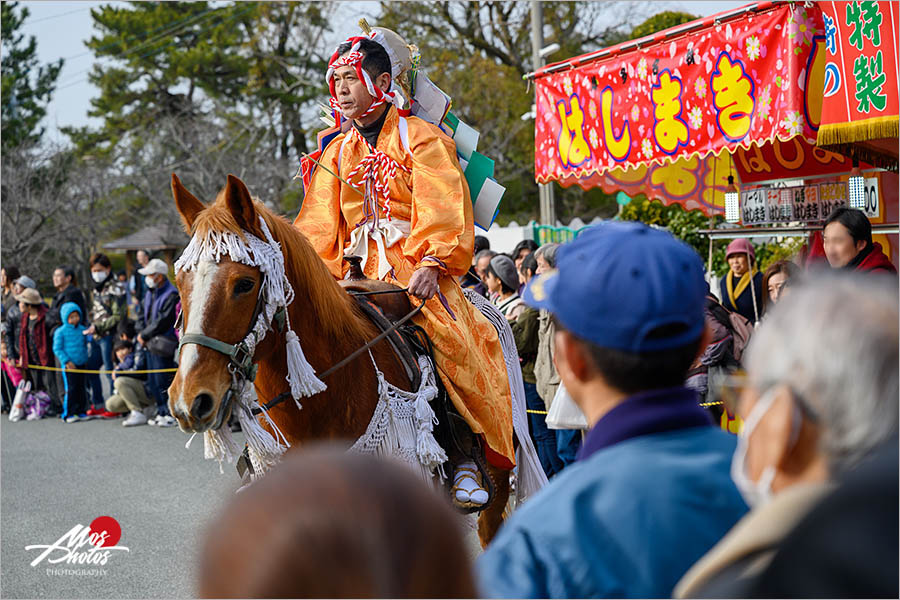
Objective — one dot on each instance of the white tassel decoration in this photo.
(428, 450)
(265, 449)
(301, 374)
(220, 446)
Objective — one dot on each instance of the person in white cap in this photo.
(157, 335)
(408, 213)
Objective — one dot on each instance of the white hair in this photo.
(548, 251)
(834, 341)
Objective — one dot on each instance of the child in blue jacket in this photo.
(70, 347)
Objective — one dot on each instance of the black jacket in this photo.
(70, 294)
(13, 318)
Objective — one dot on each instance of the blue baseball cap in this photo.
(618, 283)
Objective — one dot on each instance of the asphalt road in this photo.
(54, 476)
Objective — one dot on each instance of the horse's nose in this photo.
(202, 406)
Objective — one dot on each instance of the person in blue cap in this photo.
(651, 490)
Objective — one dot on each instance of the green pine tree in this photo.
(158, 60)
(26, 85)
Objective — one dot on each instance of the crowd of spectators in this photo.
(661, 500)
(62, 348)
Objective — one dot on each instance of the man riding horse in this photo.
(391, 190)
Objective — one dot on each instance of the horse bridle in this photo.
(240, 358)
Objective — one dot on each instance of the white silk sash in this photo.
(385, 233)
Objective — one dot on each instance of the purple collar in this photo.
(645, 413)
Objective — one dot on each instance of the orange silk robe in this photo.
(433, 197)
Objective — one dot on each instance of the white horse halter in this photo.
(278, 294)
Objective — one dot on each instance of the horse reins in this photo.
(353, 355)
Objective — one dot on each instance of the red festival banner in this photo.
(669, 109)
(793, 159)
(860, 78)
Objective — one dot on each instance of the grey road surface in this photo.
(54, 476)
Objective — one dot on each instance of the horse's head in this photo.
(220, 301)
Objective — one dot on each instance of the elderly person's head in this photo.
(155, 273)
(23, 283)
(740, 256)
(63, 277)
(482, 259)
(823, 385)
(546, 257)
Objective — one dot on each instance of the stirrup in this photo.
(467, 497)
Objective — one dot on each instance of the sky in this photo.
(62, 27)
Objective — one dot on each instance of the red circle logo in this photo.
(107, 525)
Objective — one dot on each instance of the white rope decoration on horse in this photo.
(276, 289)
(403, 424)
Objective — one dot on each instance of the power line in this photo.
(71, 12)
(161, 48)
(140, 36)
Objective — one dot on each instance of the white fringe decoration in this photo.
(265, 449)
(403, 425)
(276, 288)
(530, 475)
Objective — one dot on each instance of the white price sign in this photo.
(872, 208)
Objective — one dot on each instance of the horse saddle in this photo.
(384, 304)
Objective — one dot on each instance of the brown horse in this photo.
(219, 300)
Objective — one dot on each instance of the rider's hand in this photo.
(424, 282)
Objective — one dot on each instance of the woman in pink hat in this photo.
(735, 289)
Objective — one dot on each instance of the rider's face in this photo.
(351, 92)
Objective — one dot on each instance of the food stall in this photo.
(727, 114)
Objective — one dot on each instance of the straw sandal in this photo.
(467, 489)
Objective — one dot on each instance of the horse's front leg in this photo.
(491, 517)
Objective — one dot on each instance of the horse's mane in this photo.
(332, 306)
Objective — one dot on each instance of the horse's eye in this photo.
(243, 286)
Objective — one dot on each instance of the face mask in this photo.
(99, 276)
(150, 281)
(754, 492)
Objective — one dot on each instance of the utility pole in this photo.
(545, 190)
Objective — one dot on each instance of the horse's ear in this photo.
(188, 206)
(239, 202)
